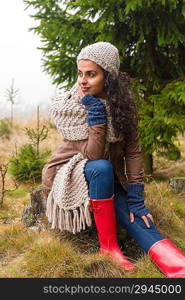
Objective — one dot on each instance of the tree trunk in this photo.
(37, 206)
(148, 158)
(11, 120)
(148, 164)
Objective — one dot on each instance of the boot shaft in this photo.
(105, 219)
(169, 259)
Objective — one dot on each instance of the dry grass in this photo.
(29, 252)
(167, 208)
(8, 147)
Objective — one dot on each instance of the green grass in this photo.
(25, 252)
(15, 239)
(12, 206)
(20, 192)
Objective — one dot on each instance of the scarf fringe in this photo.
(68, 220)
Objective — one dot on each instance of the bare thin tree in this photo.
(3, 177)
(11, 94)
(3, 172)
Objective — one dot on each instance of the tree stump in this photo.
(177, 184)
(37, 207)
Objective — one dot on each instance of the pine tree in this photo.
(150, 36)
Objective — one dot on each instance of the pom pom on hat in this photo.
(103, 54)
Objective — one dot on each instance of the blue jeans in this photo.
(102, 184)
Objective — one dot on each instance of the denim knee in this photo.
(103, 167)
(100, 177)
(99, 167)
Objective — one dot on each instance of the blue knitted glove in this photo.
(135, 199)
(96, 110)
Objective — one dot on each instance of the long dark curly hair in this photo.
(122, 105)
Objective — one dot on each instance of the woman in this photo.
(98, 169)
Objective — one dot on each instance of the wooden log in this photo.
(177, 184)
(37, 207)
(38, 199)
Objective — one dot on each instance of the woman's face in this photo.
(90, 78)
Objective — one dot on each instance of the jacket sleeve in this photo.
(134, 158)
(93, 148)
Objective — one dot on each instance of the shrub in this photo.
(28, 164)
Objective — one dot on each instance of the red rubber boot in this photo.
(169, 259)
(105, 220)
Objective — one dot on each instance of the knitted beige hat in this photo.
(103, 54)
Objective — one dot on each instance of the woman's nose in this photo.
(83, 79)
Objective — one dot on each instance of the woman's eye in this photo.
(91, 75)
(87, 75)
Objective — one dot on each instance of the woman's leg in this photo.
(102, 185)
(100, 177)
(143, 235)
(169, 259)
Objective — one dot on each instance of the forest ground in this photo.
(40, 252)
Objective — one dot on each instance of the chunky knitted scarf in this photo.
(68, 201)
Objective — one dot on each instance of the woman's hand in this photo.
(96, 110)
(136, 205)
(144, 218)
(81, 94)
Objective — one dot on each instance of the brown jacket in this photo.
(126, 157)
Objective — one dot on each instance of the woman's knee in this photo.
(104, 166)
(100, 167)
(100, 177)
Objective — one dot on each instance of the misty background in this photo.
(22, 61)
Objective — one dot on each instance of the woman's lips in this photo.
(84, 89)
